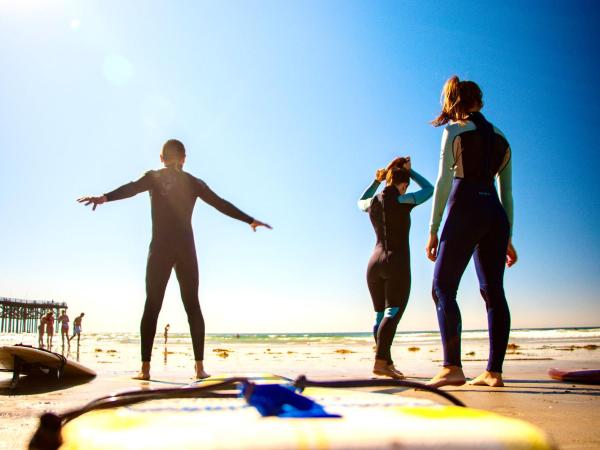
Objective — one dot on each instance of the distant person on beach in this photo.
(479, 224)
(77, 328)
(388, 271)
(63, 319)
(41, 330)
(167, 326)
(173, 194)
(49, 329)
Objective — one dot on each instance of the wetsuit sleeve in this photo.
(131, 189)
(364, 202)
(420, 196)
(208, 196)
(443, 183)
(505, 190)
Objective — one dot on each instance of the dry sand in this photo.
(569, 413)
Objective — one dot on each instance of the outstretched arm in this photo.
(222, 205)
(420, 196)
(125, 191)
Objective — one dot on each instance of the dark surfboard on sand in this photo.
(26, 360)
(587, 376)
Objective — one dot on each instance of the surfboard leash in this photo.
(48, 434)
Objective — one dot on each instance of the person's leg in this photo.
(490, 257)
(397, 291)
(186, 269)
(158, 270)
(455, 250)
(376, 287)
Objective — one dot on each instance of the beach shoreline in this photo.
(569, 413)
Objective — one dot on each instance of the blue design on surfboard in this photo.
(282, 401)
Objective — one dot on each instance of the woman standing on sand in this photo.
(388, 272)
(41, 329)
(474, 153)
(63, 319)
(49, 329)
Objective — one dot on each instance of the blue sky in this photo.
(287, 109)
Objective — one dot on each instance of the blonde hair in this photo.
(458, 99)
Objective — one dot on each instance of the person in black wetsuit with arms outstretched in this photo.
(173, 194)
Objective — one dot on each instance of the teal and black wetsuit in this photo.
(478, 224)
(388, 271)
(173, 195)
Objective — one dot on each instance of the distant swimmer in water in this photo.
(77, 328)
(173, 194)
(63, 319)
(388, 272)
(479, 224)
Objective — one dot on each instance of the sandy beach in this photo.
(569, 413)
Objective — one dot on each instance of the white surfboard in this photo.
(26, 360)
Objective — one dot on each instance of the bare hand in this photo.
(432, 247)
(93, 200)
(380, 174)
(511, 255)
(258, 223)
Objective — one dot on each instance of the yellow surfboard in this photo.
(368, 421)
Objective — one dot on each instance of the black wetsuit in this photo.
(173, 195)
(388, 271)
(477, 225)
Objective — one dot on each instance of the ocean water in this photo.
(548, 336)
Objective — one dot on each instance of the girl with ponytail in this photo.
(479, 224)
(388, 271)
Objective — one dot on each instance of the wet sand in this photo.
(569, 413)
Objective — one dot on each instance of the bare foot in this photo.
(200, 373)
(448, 376)
(144, 373)
(382, 368)
(393, 369)
(492, 379)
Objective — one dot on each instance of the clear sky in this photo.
(286, 109)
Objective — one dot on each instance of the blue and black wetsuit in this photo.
(388, 271)
(173, 194)
(478, 224)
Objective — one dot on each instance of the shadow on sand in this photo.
(39, 384)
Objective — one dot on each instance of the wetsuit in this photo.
(173, 195)
(478, 224)
(388, 271)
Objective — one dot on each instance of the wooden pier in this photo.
(23, 316)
